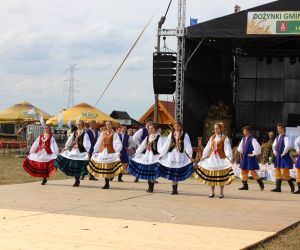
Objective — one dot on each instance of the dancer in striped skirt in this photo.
(177, 162)
(145, 163)
(105, 161)
(42, 155)
(75, 157)
(214, 169)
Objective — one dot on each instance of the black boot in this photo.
(82, 177)
(120, 178)
(174, 191)
(77, 182)
(261, 184)
(292, 185)
(136, 179)
(106, 186)
(44, 181)
(298, 191)
(150, 187)
(92, 178)
(245, 186)
(278, 186)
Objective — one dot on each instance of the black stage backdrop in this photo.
(268, 85)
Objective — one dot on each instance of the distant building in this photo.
(166, 113)
(124, 118)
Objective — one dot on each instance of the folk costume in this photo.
(126, 141)
(75, 157)
(93, 135)
(283, 162)
(105, 161)
(41, 158)
(176, 164)
(138, 138)
(145, 163)
(249, 149)
(215, 167)
(297, 147)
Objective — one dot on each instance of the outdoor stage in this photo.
(126, 217)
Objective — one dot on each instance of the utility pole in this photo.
(71, 80)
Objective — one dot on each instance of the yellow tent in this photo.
(22, 112)
(166, 113)
(81, 111)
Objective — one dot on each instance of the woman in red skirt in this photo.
(42, 155)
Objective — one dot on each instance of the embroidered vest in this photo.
(280, 145)
(107, 142)
(80, 142)
(93, 139)
(145, 134)
(45, 145)
(181, 143)
(124, 141)
(152, 145)
(220, 146)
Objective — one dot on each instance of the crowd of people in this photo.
(146, 154)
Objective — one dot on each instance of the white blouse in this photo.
(255, 144)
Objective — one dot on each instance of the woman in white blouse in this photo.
(214, 168)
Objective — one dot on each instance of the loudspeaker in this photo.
(164, 72)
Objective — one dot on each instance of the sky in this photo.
(40, 39)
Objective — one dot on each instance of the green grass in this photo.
(12, 172)
(289, 240)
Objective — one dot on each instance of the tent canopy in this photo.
(22, 112)
(231, 30)
(84, 112)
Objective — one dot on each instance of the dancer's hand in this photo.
(250, 155)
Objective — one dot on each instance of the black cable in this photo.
(132, 47)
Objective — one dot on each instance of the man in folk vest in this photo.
(141, 134)
(124, 137)
(93, 134)
(249, 148)
(283, 161)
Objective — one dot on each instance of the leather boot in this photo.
(292, 185)
(245, 186)
(77, 182)
(106, 186)
(298, 191)
(261, 184)
(174, 189)
(92, 178)
(278, 186)
(44, 181)
(120, 178)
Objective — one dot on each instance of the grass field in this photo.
(12, 172)
(289, 240)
